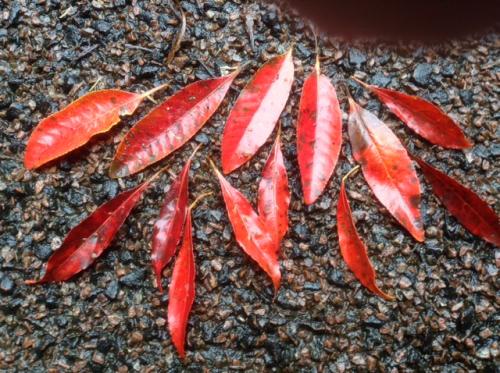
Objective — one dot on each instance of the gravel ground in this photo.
(111, 318)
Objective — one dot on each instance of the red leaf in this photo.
(170, 125)
(250, 230)
(256, 111)
(274, 194)
(386, 167)
(319, 134)
(465, 205)
(88, 240)
(423, 117)
(73, 126)
(182, 290)
(353, 250)
(167, 230)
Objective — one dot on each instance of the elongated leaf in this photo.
(167, 230)
(465, 205)
(319, 134)
(353, 250)
(274, 194)
(256, 111)
(386, 167)
(423, 117)
(170, 125)
(250, 230)
(88, 240)
(68, 129)
(182, 290)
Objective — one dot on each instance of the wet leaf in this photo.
(167, 230)
(88, 240)
(423, 117)
(250, 230)
(182, 289)
(465, 205)
(256, 111)
(170, 125)
(386, 167)
(274, 194)
(72, 127)
(353, 250)
(319, 134)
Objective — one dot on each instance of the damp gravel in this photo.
(110, 318)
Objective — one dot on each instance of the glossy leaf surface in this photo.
(170, 125)
(319, 134)
(386, 167)
(256, 111)
(423, 117)
(167, 230)
(353, 250)
(465, 205)
(250, 231)
(274, 194)
(88, 240)
(70, 128)
(182, 290)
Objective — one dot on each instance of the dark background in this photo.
(111, 318)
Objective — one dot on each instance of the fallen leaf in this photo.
(386, 167)
(465, 205)
(170, 125)
(256, 111)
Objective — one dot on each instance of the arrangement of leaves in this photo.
(384, 161)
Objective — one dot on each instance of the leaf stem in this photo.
(351, 172)
(199, 198)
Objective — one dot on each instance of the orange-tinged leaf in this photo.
(182, 289)
(167, 230)
(386, 167)
(465, 205)
(170, 125)
(423, 117)
(319, 134)
(250, 230)
(72, 127)
(274, 194)
(88, 240)
(256, 111)
(353, 250)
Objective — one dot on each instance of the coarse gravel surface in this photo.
(111, 318)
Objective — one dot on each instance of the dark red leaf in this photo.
(353, 250)
(182, 290)
(167, 230)
(170, 125)
(70, 128)
(423, 117)
(256, 111)
(88, 240)
(319, 134)
(465, 205)
(250, 230)
(274, 194)
(386, 167)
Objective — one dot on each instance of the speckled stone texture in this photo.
(111, 318)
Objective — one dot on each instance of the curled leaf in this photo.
(353, 250)
(423, 117)
(250, 230)
(465, 205)
(256, 111)
(274, 194)
(72, 127)
(319, 134)
(386, 167)
(170, 125)
(182, 290)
